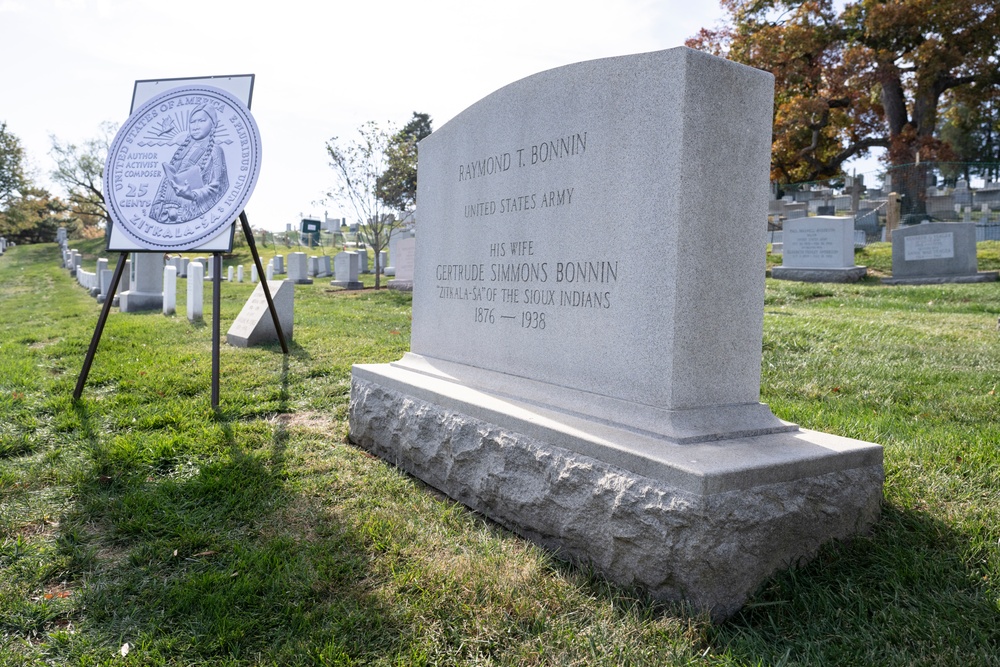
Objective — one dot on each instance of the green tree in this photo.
(80, 170)
(873, 74)
(34, 217)
(972, 129)
(13, 175)
(357, 166)
(397, 185)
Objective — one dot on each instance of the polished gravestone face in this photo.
(402, 258)
(820, 249)
(936, 252)
(298, 268)
(538, 220)
(820, 242)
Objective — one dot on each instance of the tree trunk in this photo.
(376, 244)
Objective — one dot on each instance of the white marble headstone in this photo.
(820, 242)
(936, 252)
(255, 325)
(195, 291)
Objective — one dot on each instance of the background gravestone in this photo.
(145, 290)
(818, 249)
(298, 268)
(401, 234)
(553, 387)
(403, 252)
(101, 290)
(345, 271)
(254, 324)
(936, 252)
(195, 291)
(170, 289)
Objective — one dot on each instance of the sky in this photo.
(321, 68)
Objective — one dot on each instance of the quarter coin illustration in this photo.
(182, 168)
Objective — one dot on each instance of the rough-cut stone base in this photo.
(711, 550)
(845, 275)
(981, 277)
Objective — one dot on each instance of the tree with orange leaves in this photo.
(873, 74)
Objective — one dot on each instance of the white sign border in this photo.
(239, 86)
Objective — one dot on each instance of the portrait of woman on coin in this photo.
(195, 178)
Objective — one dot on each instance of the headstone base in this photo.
(705, 523)
(347, 284)
(981, 277)
(401, 285)
(848, 274)
(133, 302)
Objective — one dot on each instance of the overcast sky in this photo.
(322, 68)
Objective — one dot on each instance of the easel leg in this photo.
(216, 305)
(263, 280)
(92, 350)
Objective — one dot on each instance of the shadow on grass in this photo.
(904, 595)
(222, 560)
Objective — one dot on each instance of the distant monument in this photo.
(556, 388)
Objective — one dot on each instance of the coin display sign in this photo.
(182, 168)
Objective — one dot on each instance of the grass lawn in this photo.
(140, 527)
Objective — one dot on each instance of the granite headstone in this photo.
(555, 388)
(819, 249)
(936, 252)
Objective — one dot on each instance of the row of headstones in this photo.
(821, 249)
(95, 282)
(347, 267)
(966, 211)
(364, 267)
(350, 264)
(3, 245)
(234, 273)
(937, 206)
(985, 231)
(197, 271)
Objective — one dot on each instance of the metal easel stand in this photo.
(216, 306)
